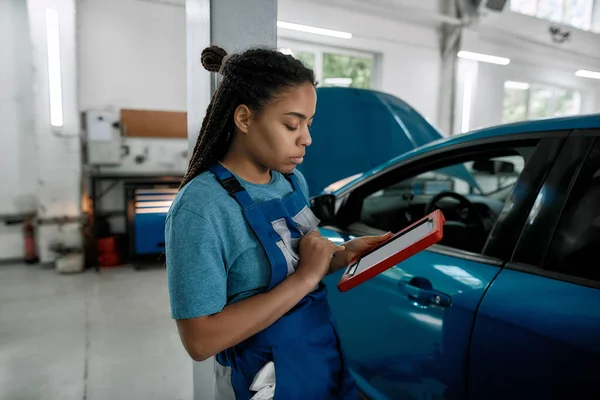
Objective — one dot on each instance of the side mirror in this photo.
(494, 167)
(323, 206)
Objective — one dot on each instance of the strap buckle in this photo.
(232, 185)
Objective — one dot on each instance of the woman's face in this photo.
(277, 138)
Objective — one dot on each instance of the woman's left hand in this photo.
(354, 248)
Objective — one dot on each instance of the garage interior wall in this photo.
(17, 165)
(535, 59)
(132, 54)
(408, 54)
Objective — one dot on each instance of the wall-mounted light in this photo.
(483, 58)
(312, 29)
(54, 72)
(588, 74)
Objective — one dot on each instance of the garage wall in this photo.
(535, 59)
(132, 54)
(16, 96)
(17, 169)
(410, 61)
(139, 62)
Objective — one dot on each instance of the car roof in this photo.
(549, 125)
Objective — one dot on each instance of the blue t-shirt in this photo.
(213, 257)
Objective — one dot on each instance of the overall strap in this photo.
(232, 185)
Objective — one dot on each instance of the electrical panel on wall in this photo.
(103, 137)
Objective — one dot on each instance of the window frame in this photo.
(588, 27)
(350, 200)
(536, 85)
(319, 49)
(540, 234)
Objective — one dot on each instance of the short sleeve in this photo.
(196, 273)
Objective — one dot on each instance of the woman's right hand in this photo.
(316, 253)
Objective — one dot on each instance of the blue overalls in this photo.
(303, 344)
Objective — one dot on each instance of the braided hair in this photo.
(253, 78)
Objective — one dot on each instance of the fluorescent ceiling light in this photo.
(312, 29)
(54, 74)
(483, 58)
(588, 74)
(516, 85)
(338, 81)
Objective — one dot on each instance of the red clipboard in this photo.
(417, 237)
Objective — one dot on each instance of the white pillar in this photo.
(17, 168)
(57, 145)
(233, 25)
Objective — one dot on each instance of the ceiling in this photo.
(429, 12)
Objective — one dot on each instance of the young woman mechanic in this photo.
(244, 257)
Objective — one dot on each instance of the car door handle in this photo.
(421, 291)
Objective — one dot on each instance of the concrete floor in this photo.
(89, 336)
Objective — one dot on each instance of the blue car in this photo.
(518, 268)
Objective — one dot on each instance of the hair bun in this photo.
(212, 58)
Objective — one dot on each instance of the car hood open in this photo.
(355, 130)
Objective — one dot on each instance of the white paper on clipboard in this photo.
(392, 248)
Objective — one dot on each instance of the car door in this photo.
(537, 332)
(406, 332)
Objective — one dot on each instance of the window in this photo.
(346, 70)
(334, 67)
(596, 17)
(577, 13)
(307, 58)
(523, 101)
(485, 181)
(576, 239)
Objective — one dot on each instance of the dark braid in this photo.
(254, 78)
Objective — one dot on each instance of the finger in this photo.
(314, 233)
(377, 239)
(339, 248)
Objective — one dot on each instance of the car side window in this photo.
(484, 181)
(576, 240)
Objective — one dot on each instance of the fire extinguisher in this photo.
(30, 248)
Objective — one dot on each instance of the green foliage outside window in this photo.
(307, 59)
(356, 70)
(525, 102)
(337, 69)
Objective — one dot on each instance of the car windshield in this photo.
(470, 178)
(471, 183)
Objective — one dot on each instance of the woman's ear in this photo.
(242, 117)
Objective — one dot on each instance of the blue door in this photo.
(537, 332)
(407, 331)
(400, 343)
